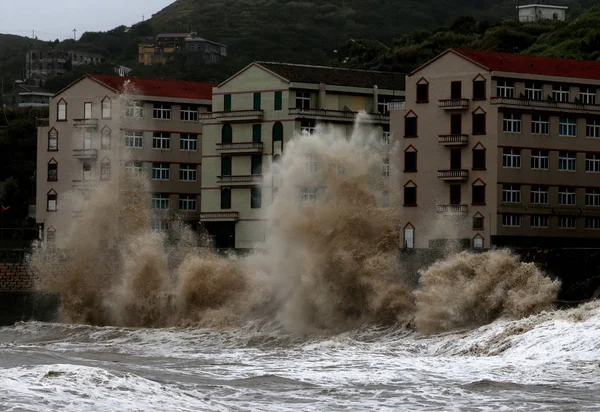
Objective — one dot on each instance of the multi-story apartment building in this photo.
(41, 64)
(102, 127)
(258, 110)
(25, 95)
(169, 43)
(499, 149)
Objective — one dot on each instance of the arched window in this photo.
(106, 137)
(51, 201)
(225, 198)
(410, 124)
(478, 192)
(61, 111)
(53, 140)
(226, 134)
(50, 236)
(52, 170)
(278, 132)
(106, 108)
(410, 194)
(409, 236)
(478, 222)
(477, 241)
(105, 169)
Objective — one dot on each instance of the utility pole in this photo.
(75, 34)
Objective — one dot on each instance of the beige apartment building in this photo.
(102, 127)
(255, 113)
(499, 149)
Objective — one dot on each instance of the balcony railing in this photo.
(545, 104)
(240, 147)
(453, 209)
(453, 174)
(85, 153)
(454, 104)
(396, 106)
(86, 123)
(250, 179)
(219, 216)
(453, 139)
(232, 114)
(335, 114)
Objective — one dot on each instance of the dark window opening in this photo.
(456, 124)
(255, 198)
(479, 159)
(422, 93)
(455, 159)
(478, 196)
(225, 198)
(456, 90)
(478, 222)
(410, 161)
(478, 90)
(479, 123)
(256, 164)
(410, 196)
(410, 126)
(226, 166)
(455, 194)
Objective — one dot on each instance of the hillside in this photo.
(12, 57)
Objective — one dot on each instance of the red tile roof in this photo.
(158, 88)
(527, 64)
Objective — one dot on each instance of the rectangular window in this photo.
(539, 221)
(567, 161)
(561, 93)
(383, 104)
(256, 198)
(478, 195)
(423, 93)
(160, 201)
(105, 138)
(161, 171)
(189, 113)
(51, 202)
(303, 100)
(455, 194)
(256, 164)
(479, 89)
(256, 133)
(162, 111)
(478, 222)
(386, 134)
(134, 139)
(410, 196)
(159, 225)
(567, 196)
(134, 109)
(592, 197)
(227, 102)
(456, 124)
(479, 159)
(105, 170)
(592, 162)
(592, 128)
(188, 173)
(385, 168)
(511, 158)
(52, 172)
(456, 90)
(511, 193)
(106, 108)
(540, 124)
(187, 202)
(87, 110)
(307, 126)
(592, 223)
(539, 195)
(540, 159)
(61, 110)
(225, 198)
(161, 140)
(225, 165)
(567, 127)
(278, 101)
(505, 88)
(567, 222)
(587, 95)
(309, 195)
(509, 220)
(53, 140)
(410, 126)
(188, 142)
(533, 91)
(410, 162)
(479, 123)
(133, 169)
(256, 101)
(512, 123)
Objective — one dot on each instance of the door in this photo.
(456, 90)
(455, 159)
(455, 194)
(456, 124)
(87, 140)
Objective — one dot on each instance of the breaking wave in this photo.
(330, 264)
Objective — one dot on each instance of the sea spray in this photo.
(330, 261)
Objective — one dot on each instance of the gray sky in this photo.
(52, 19)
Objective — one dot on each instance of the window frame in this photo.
(53, 136)
(511, 220)
(188, 113)
(188, 172)
(539, 195)
(423, 86)
(105, 169)
(511, 157)
(592, 162)
(567, 196)
(132, 138)
(592, 197)
(51, 196)
(505, 88)
(567, 161)
(162, 200)
(587, 94)
(187, 140)
(539, 221)
(161, 111)
(511, 193)
(534, 91)
(540, 124)
(186, 201)
(511, 122)
(161, 140)
(161, 171)
(255, 198)
(134, 109)
(567, 127)
(303, 99)
(105, 135)
(52, 162)
(564, 222)
(559, 94)
(62, 103)
(592, 128)
(541, 157)
(106, 108)
(278, 101)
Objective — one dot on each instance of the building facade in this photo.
(103, 128)
(255, 113)
(169, 43)
(24, 95)
(41, 64)
(499, 149)
(538, 12)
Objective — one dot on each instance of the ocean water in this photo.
(549, 361)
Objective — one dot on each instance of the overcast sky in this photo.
(52, 19)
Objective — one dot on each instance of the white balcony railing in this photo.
(453, 209)
(396, 106)
(242, 146)
(545, 104)
(254, 114)
(85, 153)
(453, 174)
(88, 123)
(218, 216)
(453, 139)
(454, 103)
(251, 179)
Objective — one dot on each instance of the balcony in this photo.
(336, 115)
(453, 139)
(510, 101)
(251, 180)
(453, 209)
(219, 217)
(85, 153)
(233, 115)
(453, 174)
(243, 147)
(396, 106)
(454, 104)
(86, 123)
